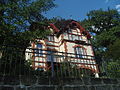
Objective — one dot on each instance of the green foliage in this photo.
(16, 16)
(21, 21)
(101, 20)
(114, 51)
(105, 28)
(113, 69)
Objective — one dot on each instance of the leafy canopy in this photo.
(99, 20)
(105, 27)
(21, 21)
(16, 17)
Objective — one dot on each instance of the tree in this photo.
(113, 69)
(105, 28)
(99, 21)
(16, 16)
(21, 21)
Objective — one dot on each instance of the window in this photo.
(65, 35)
(70, 37)
(51, 38)
(50, 56)
(80, 52)
(69, 31)
(80, 38)
(75, 37)
(38, 50)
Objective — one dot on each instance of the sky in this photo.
(77, 9)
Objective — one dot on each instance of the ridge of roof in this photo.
(66, 25)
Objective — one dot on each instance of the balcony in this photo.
(62, 56)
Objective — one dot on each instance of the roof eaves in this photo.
(54, 28)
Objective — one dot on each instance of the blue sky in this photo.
(77, 9)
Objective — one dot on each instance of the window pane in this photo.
(70, 31)
(50, 56)
(80, 52)
(38, 51)
(51, 38)
(39, 45)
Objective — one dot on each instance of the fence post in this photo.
(52, 65)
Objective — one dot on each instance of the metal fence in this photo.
(15, 61)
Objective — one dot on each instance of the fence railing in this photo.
(15, 61)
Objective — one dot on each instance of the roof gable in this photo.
(69, 24)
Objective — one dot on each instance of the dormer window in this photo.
(51, 38)
(69, 30)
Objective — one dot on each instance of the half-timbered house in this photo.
(70, 42)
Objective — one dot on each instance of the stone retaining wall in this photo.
(33, 83)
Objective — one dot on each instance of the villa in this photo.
(70, 43)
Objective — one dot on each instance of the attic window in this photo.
(69, 30)
(51, 38)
